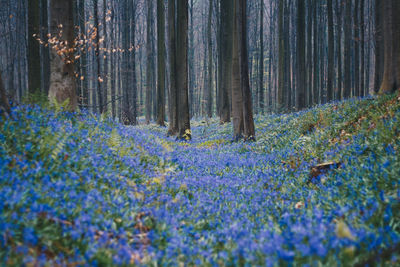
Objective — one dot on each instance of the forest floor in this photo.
(319, 186)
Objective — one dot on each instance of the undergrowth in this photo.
(318, 187)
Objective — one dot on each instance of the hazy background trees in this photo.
(172, 60)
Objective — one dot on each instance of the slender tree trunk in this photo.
(309, 53)
(347, 50)
(62, 79)
(34, 59)
(248, 121)
(173, 90)
(99, 77)
(301, 64)
(379, 44)
(226, 65)
(210, 63)
(261, 61)
(315, 55)
(4, 104)
(182, 70)
(356, 48)
(331, 53)
(105, 57)
(237, 97)
(338, 95)
(362, 41)
(281, 63)
(192, 74)
(391, 74)
(149, 54)
(161, 62)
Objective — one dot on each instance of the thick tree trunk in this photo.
(248, 121)
(182, 70)
(237, 97)
(391, 74)
(173, 90)
(161, 62)
(301, 64)
(62, 78)
(33, 46)
(226, 64)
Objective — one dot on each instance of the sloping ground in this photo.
(318, 186)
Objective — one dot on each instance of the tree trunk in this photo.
(161, 62)
(99, 78)
(226, 64)
(391, 74)
(316, 70)
(331, 53)
(248, 121)
(281, 63)
(210, 66)
(237, 97)
(173, 90)
(379, 44)
(347, 50)
(34, 59)
(182, 70)
(362, 41)
(62, 78)
(301, 66)
(149, 54)
(4, 104)
(356, 49)
(338, 95)
(261, 61)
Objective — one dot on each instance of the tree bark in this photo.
(34, 59)
(261, 61)
(301, 65)
(182, 70)
(347, 50)
(237, 97)
(210, 63)
(379, 44)
(248, 121)
(391, 74)
(226, 65)
(281, 62)
(331, 52)
(173, 93)
(4, 104)
(161, 62)
(356, 48)
(149, 55)
(62, 78)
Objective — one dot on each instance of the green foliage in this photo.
(38, 98)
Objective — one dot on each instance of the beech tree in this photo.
(62, 77)
(391, 31)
